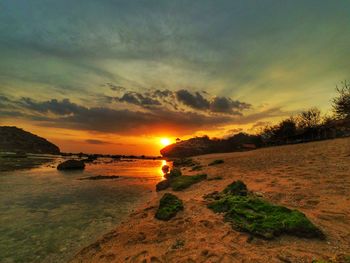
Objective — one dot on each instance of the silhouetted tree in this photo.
(286, 128)
(341, 104)
(309, 119)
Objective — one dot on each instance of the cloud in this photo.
(196, 100)
(63, 107)
(145, 117)
(115, 87)
(227, 105)
(66, 114)
(138, 99)
(93, 141)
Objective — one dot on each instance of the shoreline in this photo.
(309, 177)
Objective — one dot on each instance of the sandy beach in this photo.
(313, 178)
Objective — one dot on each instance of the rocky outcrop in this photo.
(204, 145)
(13, 139)
(71, 165)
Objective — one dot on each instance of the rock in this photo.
(162, 185)
(71, 165)
(204, 145)
(236, 188)
(165, 169)
(173, 174)
(169, 205)
(100, 177)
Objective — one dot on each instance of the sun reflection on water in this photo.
(164, 162)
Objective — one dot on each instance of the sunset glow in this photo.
(165, 141)
(138, 74)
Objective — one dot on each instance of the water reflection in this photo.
(48, 215)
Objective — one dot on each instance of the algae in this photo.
(258, 217)
(169, 205)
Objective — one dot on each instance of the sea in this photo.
(48, 215)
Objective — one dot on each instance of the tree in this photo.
(309, 119)
(287, 128)
(341, 104)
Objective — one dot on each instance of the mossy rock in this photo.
(169, 205)
(183, 182)
(260, 218)
(173, 174)
(236, 188)
(162, 185)
(216, 162)
(184, 162)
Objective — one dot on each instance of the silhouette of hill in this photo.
(13, 139)
(205, 145)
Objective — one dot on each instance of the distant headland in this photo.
(13, 139)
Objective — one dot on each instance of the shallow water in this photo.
(47, 215)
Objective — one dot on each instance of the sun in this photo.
(165, 141)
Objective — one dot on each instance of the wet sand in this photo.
(313, 178)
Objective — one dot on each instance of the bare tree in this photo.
(341, 104)
(310, 118)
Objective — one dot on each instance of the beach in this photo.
(312, 177)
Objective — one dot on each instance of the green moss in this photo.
(196, 168)
(236, 188)
(215, 162)
(169, 205)
(184, 162)
(260, 218)
(183, 182)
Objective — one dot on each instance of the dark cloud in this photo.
(162, 93)
(138, 99)
(153, 120)
(196, 100)
(192, 100)
(227, 105)
(93, 141)
(63, 107)
(102, 119)
(115, 87)
(223, 105)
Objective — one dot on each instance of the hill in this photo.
(204, 145)
(13, 139)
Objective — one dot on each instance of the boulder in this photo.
(162, 185)
(71, 165)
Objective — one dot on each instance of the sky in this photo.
(113, 76)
